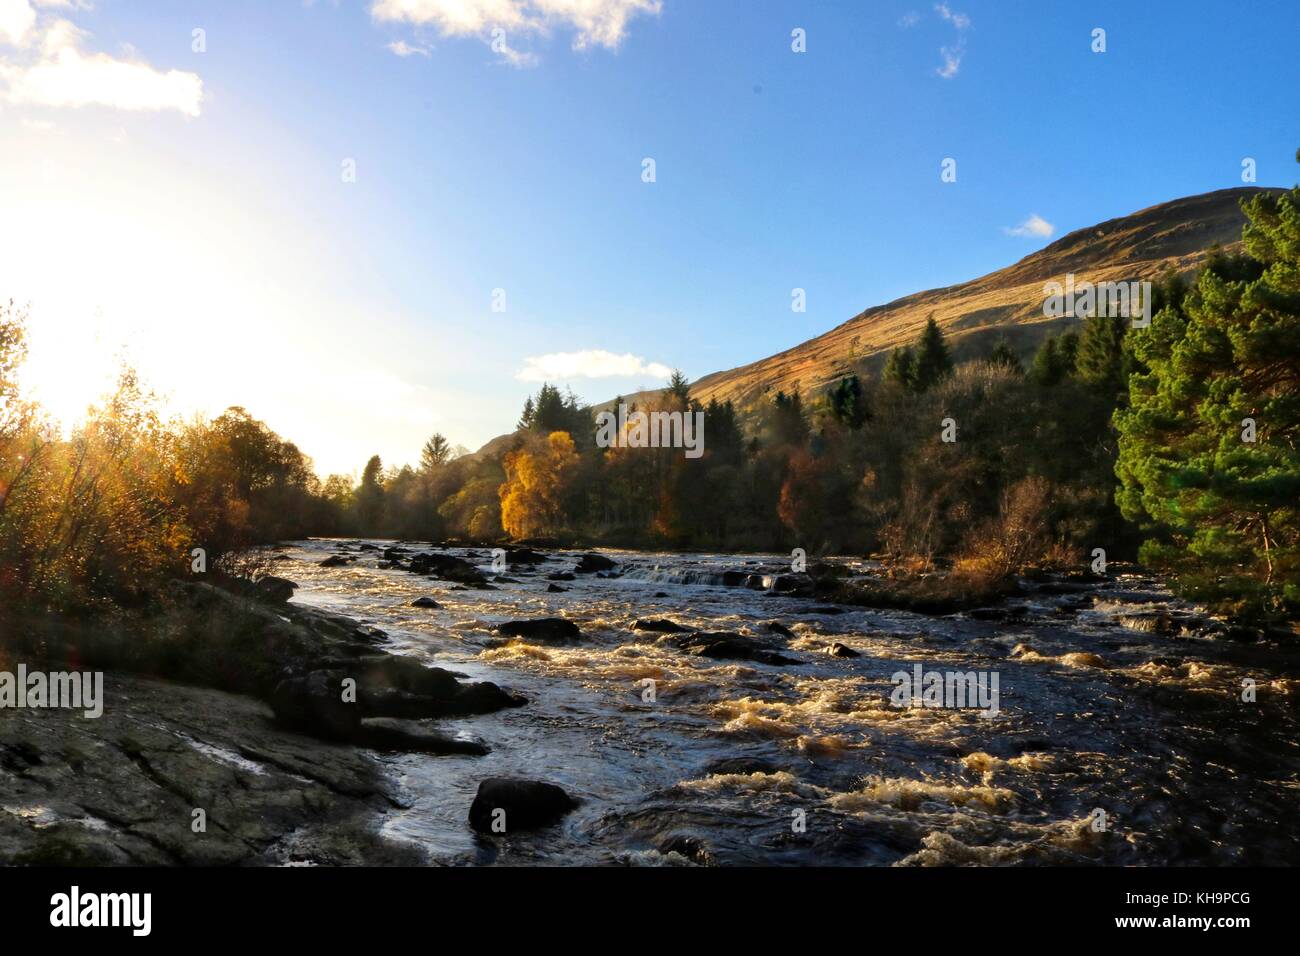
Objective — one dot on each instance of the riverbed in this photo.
(1121, 735)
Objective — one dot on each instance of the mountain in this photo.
(973, 315)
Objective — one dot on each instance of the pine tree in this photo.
(848, 403)
(1101, 360)
(1003, 354)
(679, 387)
(1222, 368)
(900, 367)
(933, 360)
(1048, 368)
(529, 414)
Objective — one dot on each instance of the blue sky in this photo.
(188, 210)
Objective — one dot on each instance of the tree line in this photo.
(1175, 443)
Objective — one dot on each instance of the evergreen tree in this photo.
(900, 368)
(529, 415)
(435, 453)
(1101, 360)
(1003, 354)
(933, 360)
(848, 403)
(678, 387)
(1223, 368)
(788, 424)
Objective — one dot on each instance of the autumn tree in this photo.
(537, 480)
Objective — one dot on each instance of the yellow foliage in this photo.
(537, 478)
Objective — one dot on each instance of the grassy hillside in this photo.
(1008, 302)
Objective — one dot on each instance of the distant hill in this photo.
(973, 315)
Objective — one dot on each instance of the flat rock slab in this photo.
(122, 789)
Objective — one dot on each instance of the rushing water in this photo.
(1111, 699)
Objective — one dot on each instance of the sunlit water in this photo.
(1098, 711)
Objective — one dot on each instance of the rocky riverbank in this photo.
(236, 729)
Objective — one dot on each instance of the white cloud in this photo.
(1035, 226)
(402, 48)
(909, 19)
(951, 59)
(959, 20)
(17, 19)
(59, 73)
(593, 363)
(593, 22)
(952, 55)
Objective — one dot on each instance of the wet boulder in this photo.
(274, 590)
(590, 563)
(517, 805)
(799, 585)
(548, 630)
(661, 624)
(380, 733)
(524, 556)
(560, 576)
(555, 589)
(724, 645)
(838, 649)
(337, 560)
(447, 567)
(776, 627)
(425, 602)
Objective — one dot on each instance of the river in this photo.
(1121, 735)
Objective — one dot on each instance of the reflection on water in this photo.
(1111, 700)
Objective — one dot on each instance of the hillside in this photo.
(973, 315)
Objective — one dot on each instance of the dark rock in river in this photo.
(841, 650)
(380, 733)
(776, 627)
(336, 560)
(741, 765)
(549, 630)
(555, 589)
(274, 590)
(589, 563)
(425, 602)
(448, 567)
(524, 556)
(560, 576)
(662, 625)
(527, 804)
(725, 645)
(800, 585)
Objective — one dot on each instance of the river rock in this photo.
(527, 804)
(425, 602)
(838, 649)
(724, 645)
(590, 563)
(446, 566)
(337, 560)
(524, 556)
(661, 624)
(548, 630)
(274, 590)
